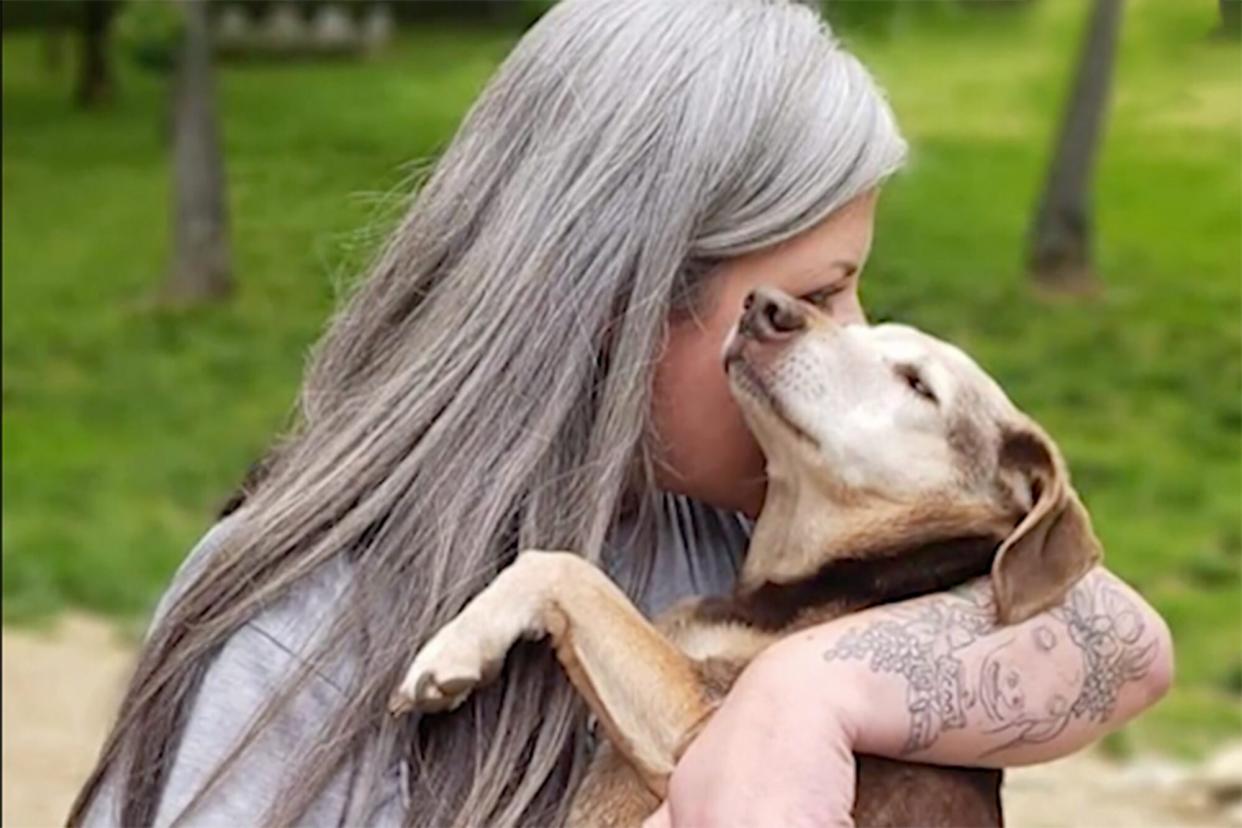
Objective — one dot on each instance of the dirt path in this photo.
(60, 688)
(1085, 791)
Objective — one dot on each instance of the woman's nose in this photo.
(849, 312)
(770, 315)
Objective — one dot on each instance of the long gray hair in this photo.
(487, 387)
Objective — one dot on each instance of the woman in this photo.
(534, 362)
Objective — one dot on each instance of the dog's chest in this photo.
(721, 640)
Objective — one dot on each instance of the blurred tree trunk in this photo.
(1061, 236)
(1231, 17)
(94, 85)
(53, 49)
(201, 257)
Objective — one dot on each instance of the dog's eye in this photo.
(915, 381)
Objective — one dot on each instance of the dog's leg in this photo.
(646, 693)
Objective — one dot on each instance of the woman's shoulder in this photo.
(253, 663)
(290, 624)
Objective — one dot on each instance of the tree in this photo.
(1231, 17)
(1060, 243)
(201, 258)
(94, 85)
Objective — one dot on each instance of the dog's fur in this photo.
(896, 468)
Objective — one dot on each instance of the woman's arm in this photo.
(933, 680)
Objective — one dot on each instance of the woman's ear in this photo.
(1053, 545)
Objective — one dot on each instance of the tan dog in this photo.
(896, 468)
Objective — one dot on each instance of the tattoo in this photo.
(1106, 626)
(1022, 688)
(920, 643)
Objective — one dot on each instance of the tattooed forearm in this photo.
(920, 642)
(1022, 684)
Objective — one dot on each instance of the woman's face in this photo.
(705, 449)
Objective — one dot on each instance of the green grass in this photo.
(125, 423)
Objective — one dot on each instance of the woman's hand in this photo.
(931, 680)
(777, 752)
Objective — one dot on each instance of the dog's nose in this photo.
(769, 315)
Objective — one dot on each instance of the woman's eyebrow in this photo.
(848, 268)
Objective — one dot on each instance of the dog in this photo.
(896, 468)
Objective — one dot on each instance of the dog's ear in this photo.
(1053, 545)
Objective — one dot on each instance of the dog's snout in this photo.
(769, 315)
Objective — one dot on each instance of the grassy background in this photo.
(125, 424)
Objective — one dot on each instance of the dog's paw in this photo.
(471, 649)
(445, 671)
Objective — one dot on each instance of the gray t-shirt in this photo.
(699, 552)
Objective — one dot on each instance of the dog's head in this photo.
(911, 437)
